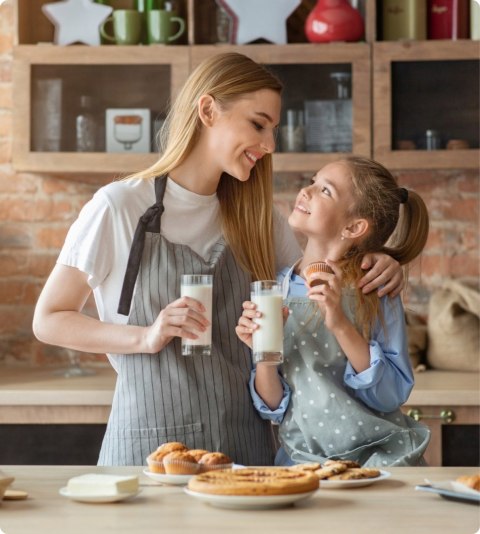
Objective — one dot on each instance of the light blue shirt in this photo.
(385, 385)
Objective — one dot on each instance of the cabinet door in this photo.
(424, 89)
(50, 82)
(455, 434)
(305, 71)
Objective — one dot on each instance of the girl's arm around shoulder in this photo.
(387, 383)
(276, 407)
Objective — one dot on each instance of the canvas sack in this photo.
(453, 327)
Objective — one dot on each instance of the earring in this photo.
(342, 237)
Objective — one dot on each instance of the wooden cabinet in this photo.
(388, 102)
(420, 86)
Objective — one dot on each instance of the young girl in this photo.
(205, 207)
(347, 369)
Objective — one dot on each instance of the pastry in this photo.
(314, 268)
(155, 459)
(356, 473)
(180, 463)
(254, 481)
(471, 481)
(197, 453)
(329, 470)
(310, 466)
(348, 463)
(215, 460)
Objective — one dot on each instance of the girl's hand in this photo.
(181, 318)
(329, 297)
(383, 271)
(246, 325)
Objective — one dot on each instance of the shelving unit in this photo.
(150, 76)
(426, 85)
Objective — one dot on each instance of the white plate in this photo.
(97, 498)
(340, 484)
(249, 502)
(175, 480)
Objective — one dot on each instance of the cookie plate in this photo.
(97, 498)
(249, 502)
(343, 484)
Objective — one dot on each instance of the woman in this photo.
(205, 207)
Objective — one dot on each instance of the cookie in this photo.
(356, 473)
(254, 481)
(329, 470)
(310, 466)
(348, 463)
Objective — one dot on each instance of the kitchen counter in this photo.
(391, 506)
(38, 395)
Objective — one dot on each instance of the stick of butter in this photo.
(100, 484)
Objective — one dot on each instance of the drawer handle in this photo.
(447, 416)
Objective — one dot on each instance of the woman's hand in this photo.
(329, 297)
(383, 271)
(181, 318)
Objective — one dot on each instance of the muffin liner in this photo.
(205, 467)
(180, 467)
(155, 466)
(316, 267)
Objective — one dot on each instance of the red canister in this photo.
(448, 19)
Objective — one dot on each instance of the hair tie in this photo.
(403, 195)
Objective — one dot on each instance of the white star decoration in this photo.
(76, 21)
(256, 19)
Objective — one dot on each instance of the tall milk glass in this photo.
(267, 340)
(198, 287)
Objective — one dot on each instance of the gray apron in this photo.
(324, 419)
(202, 401)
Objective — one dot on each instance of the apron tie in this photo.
(149, 221)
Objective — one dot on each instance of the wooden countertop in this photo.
(33, 386)
(392, 505)
(40, 395)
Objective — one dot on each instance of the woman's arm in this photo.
(383, 273)
(58, 320)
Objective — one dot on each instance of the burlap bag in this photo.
(453, 328)
(417, 340)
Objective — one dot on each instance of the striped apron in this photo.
(202, 401)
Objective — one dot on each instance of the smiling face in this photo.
(323, 209)
(243, 132)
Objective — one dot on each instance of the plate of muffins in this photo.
(175, 464)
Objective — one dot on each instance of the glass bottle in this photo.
(86, 127)
(292, 134)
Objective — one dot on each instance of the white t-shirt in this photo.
(98, 242)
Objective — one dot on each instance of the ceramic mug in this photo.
(127, 27)
(159, 26)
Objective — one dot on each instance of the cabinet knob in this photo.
(447, 416)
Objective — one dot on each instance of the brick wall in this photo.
(36, 211)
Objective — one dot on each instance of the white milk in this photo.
(202, 293)
(269, 336)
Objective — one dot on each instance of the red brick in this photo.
(41, 265)
(14, 291)
(50, 237)
(15, 320)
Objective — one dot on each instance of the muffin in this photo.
(215, 460)
(197, 453)
(155, 459)
(314, 268)
(180, 463)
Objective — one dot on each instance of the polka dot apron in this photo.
(324, 419)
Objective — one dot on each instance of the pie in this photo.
(254, 481)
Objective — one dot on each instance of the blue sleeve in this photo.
(387, 383)
(276, 416)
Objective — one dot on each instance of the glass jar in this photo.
(86, 127)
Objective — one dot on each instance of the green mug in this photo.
(127, 27)
(159, 26)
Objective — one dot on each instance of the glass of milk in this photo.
(267, 340)
(198, 287)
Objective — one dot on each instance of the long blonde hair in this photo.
(398, 226)
(246, 207)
